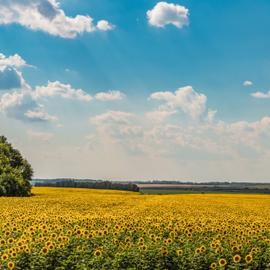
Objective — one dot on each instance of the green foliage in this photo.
(89, 184)
(15, 172)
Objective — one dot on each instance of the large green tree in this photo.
(15, 171)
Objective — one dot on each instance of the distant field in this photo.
(64, 228)
(204, 188)
(168, 186)
(167, 191)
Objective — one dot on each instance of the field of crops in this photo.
(98, 229)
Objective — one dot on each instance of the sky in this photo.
(138, 90)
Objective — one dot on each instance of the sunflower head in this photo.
(237, 258)
(249, 258)
(222, 262)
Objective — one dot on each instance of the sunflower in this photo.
(44, 250)
(2, 242)
(222, 262)
(235, 249)
(11, 265)
(4, 257)
(202, 249)
(213, 265)
(48, 243)
(158, 238)
(14, 254)
(10, 240)
(97, 253)
(237, 258)
(141, 240)
(143, 247)
(249, 258)
(179, 252)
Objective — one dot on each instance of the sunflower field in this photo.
(97, 229)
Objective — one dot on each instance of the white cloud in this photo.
(165, 13)
(261, 95)
(10, 76)
(120, 129)
(192, 140)
(159, 116)
(39, 114)
(47, 16)
(185, 98)
(211, 115)
(22, 106)
(20, 101)
(112, 117)
(10, 100)
(247, 83)
(109, 96)
(14, 61)
(104, 25)
(63, 90)
(164, 137)
(43, 136)
(23, 102)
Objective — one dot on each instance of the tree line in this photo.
(94, 185)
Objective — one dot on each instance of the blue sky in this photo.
(220, 45)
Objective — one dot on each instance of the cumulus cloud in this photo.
(10, 75)
(63, 90)
(159, 116)
(112, 117)
(10, 100)
(47, 16)
(185, 98)
(164, 138)
(166, 13)
(15, 61)
(20, 101)
(24, 103)
(261, 95)
(104, 25)
(109, 96)
(39, 114)
(16, 103)
(121, 128)
(22, 106)
(247, 83)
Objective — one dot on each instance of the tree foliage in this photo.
(88, 184)
(15, 171)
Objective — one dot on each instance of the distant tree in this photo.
(15, 171)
